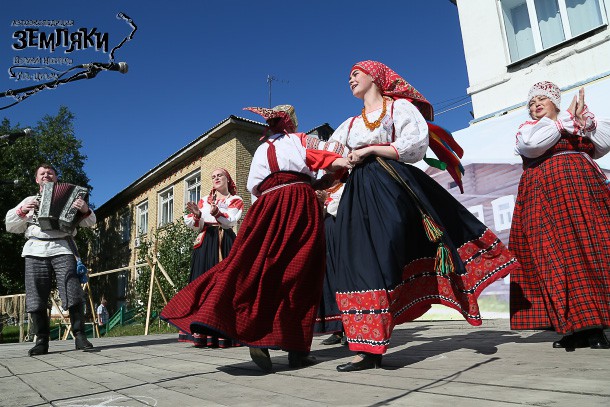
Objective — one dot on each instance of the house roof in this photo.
(189, 150)
(185, 152)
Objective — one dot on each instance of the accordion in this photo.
(55, 211)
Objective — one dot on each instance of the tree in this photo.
(54, 143)
(173, 250)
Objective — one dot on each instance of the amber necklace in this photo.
(376, 123)
(334, 189)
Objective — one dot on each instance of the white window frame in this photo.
(196, 185)
(140, 210)
(503, 216)
(477, 211)
(166, 197)
(537, 38)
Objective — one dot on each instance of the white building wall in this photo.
(496, 85)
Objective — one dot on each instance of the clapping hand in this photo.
(193, 208)
(577, 107)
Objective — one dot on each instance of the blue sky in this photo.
(194, 63)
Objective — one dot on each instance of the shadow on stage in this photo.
(415, 346)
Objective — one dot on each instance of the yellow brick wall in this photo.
(232, 151)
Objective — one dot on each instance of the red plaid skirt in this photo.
(266, 292)
(560, 233)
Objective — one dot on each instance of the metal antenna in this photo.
(271, 78)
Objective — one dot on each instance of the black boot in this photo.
(333, 339)
(261, 357)
(77, 319)
(40, 322)
(300, 359)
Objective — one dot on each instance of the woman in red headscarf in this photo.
(265, 294)
(213, 219)
(401, 242)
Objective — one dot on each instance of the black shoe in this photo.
(225, 343)
(332, 340)
(596, 339)
(211, 341)
(300, 359)
(369, 361)
(81, 342)
(567, 342)
(41, 348)
(261, 357)
(199, 341)
(344, 340)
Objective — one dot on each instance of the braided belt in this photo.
(282, 186)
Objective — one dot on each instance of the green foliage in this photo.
(155, 327)
(173, 250)
(55, 144)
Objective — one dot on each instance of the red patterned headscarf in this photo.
(287, 122)
(393, 85)
(230, 184)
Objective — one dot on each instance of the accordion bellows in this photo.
(55, 211)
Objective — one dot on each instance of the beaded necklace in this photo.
(376, 123)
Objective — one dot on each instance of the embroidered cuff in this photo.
(590, 123)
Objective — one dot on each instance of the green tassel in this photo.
(433, 231)
(433, 162)
(443, 263)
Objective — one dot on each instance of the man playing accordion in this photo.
(47, 252)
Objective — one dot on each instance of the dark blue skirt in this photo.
(207, 256)
(385, 263)
(329, 316)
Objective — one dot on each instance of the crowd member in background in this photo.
(213, 218)
(102, 314)
(265, 294)
(561, 222)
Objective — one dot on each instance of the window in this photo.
(166, 207)
(122, 284)
(142, 218)
(503, 212)
(95, 246)
(532, 26)
(192, 188)
(125, 227)
(477, 211)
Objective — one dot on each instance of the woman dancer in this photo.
(561, 217)
(266, 292)
(401, 241)
(214, 219)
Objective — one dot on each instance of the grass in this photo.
(10, 334)
(137, 328)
